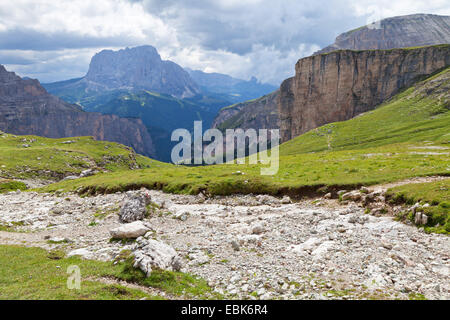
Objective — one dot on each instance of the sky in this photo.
(55, 40)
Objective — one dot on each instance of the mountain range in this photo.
(137, 83)
(228, 88)
(132, 95)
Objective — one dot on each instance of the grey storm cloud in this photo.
(28, 39)
(239, 26)
(54, 40)
(13, 58)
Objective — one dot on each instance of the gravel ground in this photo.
(251, 247)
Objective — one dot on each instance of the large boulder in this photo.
(131, 230)
(150, 254)
(134, 207)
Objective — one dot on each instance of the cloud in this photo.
(28, 39)
(48, 66)
(54, 40)
(265, 38)
(12, 58)
(237, 26)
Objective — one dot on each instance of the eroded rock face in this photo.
(26, 108)
(397, 32)
(340, 85)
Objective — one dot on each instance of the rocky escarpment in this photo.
(139, 68)
(397, 32)
(26, 108)
(261, 113)
(340, 85)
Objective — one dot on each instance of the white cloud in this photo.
(264, 38)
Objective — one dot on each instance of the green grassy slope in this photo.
(33, 273)
(45, 158)
(406, 137)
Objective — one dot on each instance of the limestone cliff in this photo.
(26, 108)
(342, 84)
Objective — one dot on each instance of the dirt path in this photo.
(384, 187)
(150, 291)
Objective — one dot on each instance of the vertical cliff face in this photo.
(340, 85)
(27, 109)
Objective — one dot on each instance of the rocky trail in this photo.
(249, 247)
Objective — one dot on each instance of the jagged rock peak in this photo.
(6, 76)
(139, 68)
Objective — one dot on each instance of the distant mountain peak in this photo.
(147, 50)
(396, 32)
(139, 68)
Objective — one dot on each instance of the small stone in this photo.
(88, 172)
(183, 216)
(70, 178)
(420, 218)
(235, 245)
(286, 200)
(261, 292)
(258, 229)
(386, 245)
(364, 190)
(353, 196)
